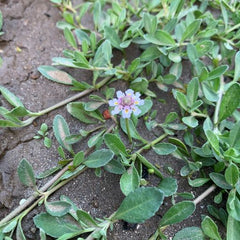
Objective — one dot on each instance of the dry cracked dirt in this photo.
(31, 39)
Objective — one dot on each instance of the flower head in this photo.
(126, 103)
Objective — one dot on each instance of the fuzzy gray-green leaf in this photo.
(230, 102)
(139, 205)
(178, 213)
(26, 174)
(61, 131)
(99, 158)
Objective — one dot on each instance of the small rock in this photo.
(35, 74)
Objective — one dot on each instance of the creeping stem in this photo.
(66, 101)
(43, 189)
(128, 130)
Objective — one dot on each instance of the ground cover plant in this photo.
(202, 35)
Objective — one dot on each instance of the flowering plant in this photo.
(126, 103)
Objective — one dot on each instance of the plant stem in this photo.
(196, 201)
(64, 102)
(233, 28)
(151, 144)
(144, 161)
(128, 131)
(43, 189)
(204, 194)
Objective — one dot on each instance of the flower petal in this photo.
(116, 110)
(126, 112)
(140, 102)
(136, 110)
(120, 94)
(130, 92)
(114, 102)
(137, 94)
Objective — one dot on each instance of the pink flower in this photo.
(126, 103)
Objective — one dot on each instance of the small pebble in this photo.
(35, 74)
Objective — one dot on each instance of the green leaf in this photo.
(78, 159)
(57, 208)
(164, 148)
(82, 36)
(19, 232)
(56, 226)
(189, 233)
(234, 136)
(174, 57)
(69, 37)
(192, 91)
(134, 65)
(182, 100)
(168, 186)
(47, 142)
(172, 116)
(10, 97)
(160, 37)
(230, 102)
(99, 158)
(17, 112)
(151, 53)
(10, 226)
(198, 182)
(176, 69)
(146, 107)
(133, 131)
(86, 219)
(217, 72)
(177, 213)
(76, 109)
(233, 228)
(26, 174)
(192, 53)
(150, 22)
(115, 144)
(65, 62)
(61, 131)
(71, 173)
(55, 75)
(213, 140)
(139, 205)
(233, 205)
(191, 29)
(180, 145)
(190, 121)
(92, 106)
(232, 174)
(7, 123)
(237, 67)
(114, 166)
(139, 85)
(129, 181)
(80, 60)
(210, 228)
(95, 139)
(203, 47)
(112, 36)
(48, 172)
(219, 180)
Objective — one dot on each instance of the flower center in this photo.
(127, 100)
